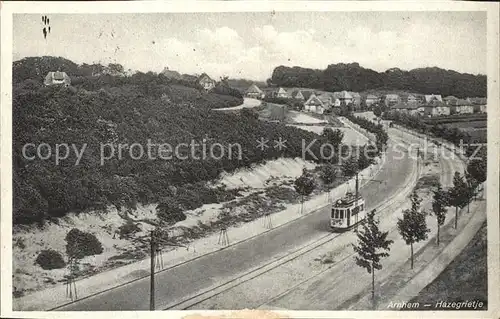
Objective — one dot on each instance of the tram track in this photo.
(446, 179)
(396, 200)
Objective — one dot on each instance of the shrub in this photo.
(81, 244)
(50, 259)
(169, 211)
(128, 229)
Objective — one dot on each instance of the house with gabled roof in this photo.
(356, 98)
(461, 106)
(433, 97)
(206, 82)
(411, 99)
(57, 78)
(449, 98)
(391, 99)
(297, 94)
(371, 99)
(254, 92)
(318, 103)
(434, 108)
(345, 97)
(479, 104)
(282, 93)
(406, 108)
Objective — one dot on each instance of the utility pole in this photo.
(418, 157)
(152, 279)
(356, 197)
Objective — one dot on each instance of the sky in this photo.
(251, 44)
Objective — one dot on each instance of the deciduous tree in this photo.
(413, 227)
(472, 185)
(371, 247)
(439, 208)
(457, 195)
(328, 174)
(304, 185)
(477, 168)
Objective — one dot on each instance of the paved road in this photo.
(349, 280)
(200, 274)
(247, 103)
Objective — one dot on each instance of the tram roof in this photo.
(347, 200)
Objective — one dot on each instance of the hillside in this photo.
(124, 113)
(353, 77)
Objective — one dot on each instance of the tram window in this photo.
(354, 211)
(361, 207)
(341, 214)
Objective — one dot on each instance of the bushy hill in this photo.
(120, 113)
(353, 77)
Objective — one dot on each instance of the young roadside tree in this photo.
(328, 174)
(457, 195)
(439, 208)
(472, 185)
(477, 168)
(372, 246)
(304, 185)
(413, 227)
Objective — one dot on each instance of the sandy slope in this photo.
(30, 240)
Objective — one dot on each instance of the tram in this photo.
(347, 212)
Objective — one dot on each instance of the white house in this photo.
(391, 99)
(449, 99)
(206, 82)
(433, 97)
(461, 106)
(479, 104)
(318, 104)
(254, 92)
(57, 78)
(440, 109)
(346, 97)
(371, 99)
(411, 99)
(282, 93)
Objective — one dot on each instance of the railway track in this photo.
(393, 202)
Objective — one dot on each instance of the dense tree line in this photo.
(126, 115)
(453, 135)
(377, 129)
(353, 77)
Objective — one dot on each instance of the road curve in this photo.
(200, 274)
(247, 103)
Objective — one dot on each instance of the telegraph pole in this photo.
(152, 279)
(356, 197)
(418, 157)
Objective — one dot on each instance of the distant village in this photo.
(321, 102)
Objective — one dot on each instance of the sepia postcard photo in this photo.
(241, 159)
